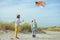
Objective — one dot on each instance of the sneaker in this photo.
(34, 36)
(17, 37)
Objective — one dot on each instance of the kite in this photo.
(40, 3)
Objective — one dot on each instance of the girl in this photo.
(34, 27)
(17, 23)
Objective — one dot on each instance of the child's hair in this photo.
(18, 16)
(32, 20)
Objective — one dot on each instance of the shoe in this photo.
(34, 36)
(17, 37)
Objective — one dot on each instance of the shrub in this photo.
(26, 27)
(6, 26)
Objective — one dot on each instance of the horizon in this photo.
(45, 16)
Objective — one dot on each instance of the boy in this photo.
(17, 23)
(34, 27)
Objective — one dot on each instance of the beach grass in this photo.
(25, 27)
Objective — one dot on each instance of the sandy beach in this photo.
(28, 36)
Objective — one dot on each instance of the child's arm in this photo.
(21, 21)
(36, 25)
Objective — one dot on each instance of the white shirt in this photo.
(17, 21)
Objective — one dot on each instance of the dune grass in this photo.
(53, 28)
(25, 27)
(6, 26)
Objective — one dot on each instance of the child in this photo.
(34, 28)
(17, 23)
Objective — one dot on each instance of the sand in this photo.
(28, 36)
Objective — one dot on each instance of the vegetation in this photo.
(54, 28)
(6, 26)
(25, 27)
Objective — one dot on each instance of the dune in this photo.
(41, 36)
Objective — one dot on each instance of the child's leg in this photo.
(33, 33)
(16, 31)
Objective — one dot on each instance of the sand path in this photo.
(41, 36)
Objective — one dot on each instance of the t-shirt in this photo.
(17, 22)
(34, 25)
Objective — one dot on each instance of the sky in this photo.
(45, 16)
